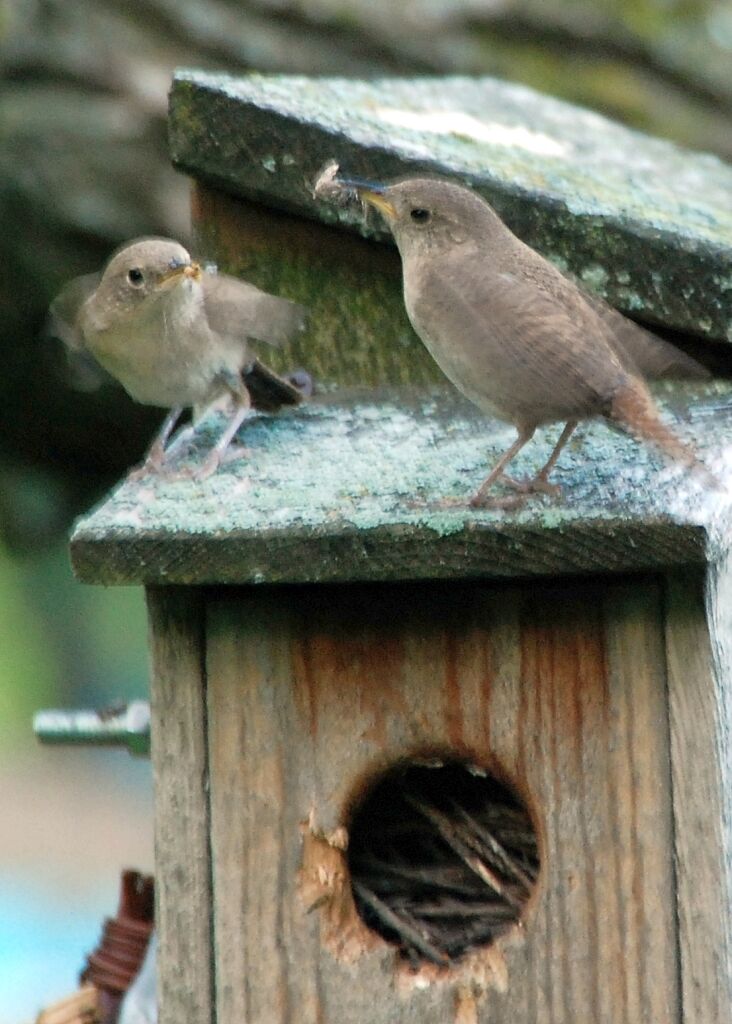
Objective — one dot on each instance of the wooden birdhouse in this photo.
(416, 762)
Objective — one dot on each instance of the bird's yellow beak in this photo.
(370, 192)
(177, 273)
(375, 199)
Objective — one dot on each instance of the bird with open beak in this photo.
(177, 336)
(515, 336)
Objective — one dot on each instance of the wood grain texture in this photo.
(182, 851)
(342, 553)
(559, 689)
(700, 707)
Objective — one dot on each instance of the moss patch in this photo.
(355, 487)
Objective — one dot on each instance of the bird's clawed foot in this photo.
(216, 458)
(506, 502)
(235, 452)
(152, 465)
(170, 475)
(209, 466)
(440, 503)
(536, 485)
(524, 488)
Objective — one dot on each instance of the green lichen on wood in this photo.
(355, 488)
(581, 189)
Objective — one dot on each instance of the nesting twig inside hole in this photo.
(443, 859)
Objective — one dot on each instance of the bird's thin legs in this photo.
(480, 496)
(220, 450)
(541, 481)
(156, 452)
(569, 428)
(183, 438)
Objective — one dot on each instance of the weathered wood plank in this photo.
(636, 881)
(354, 488)
(254, 838)
(560, 689)
(641, 221)
(701, 738)
(182, 852)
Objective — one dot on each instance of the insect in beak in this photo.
(372, 193)
(178, 271)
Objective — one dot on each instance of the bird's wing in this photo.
(63, 313)
(654, 357)
(498, 335)
(236, 309)
(63, 322)
(640, 350)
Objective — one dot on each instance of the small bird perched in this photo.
(176, 336)
(520, 340)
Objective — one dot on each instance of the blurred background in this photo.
(83, 166)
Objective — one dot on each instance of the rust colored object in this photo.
(113, 966)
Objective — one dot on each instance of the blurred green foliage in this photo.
(63, 644)
(27, 667)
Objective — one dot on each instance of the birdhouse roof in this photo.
(375, 487)
(645, 223)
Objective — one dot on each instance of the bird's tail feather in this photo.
(268, 391)
(633, 408)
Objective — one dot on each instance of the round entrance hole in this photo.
(443, 858)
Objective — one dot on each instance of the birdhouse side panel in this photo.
(700, 704)
(559, 691)
(183, 911)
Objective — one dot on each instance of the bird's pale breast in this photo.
(165, 354)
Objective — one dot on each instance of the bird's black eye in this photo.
(135, 276)
(420, 215)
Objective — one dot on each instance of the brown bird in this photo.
(517, 337)
(177, 336)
